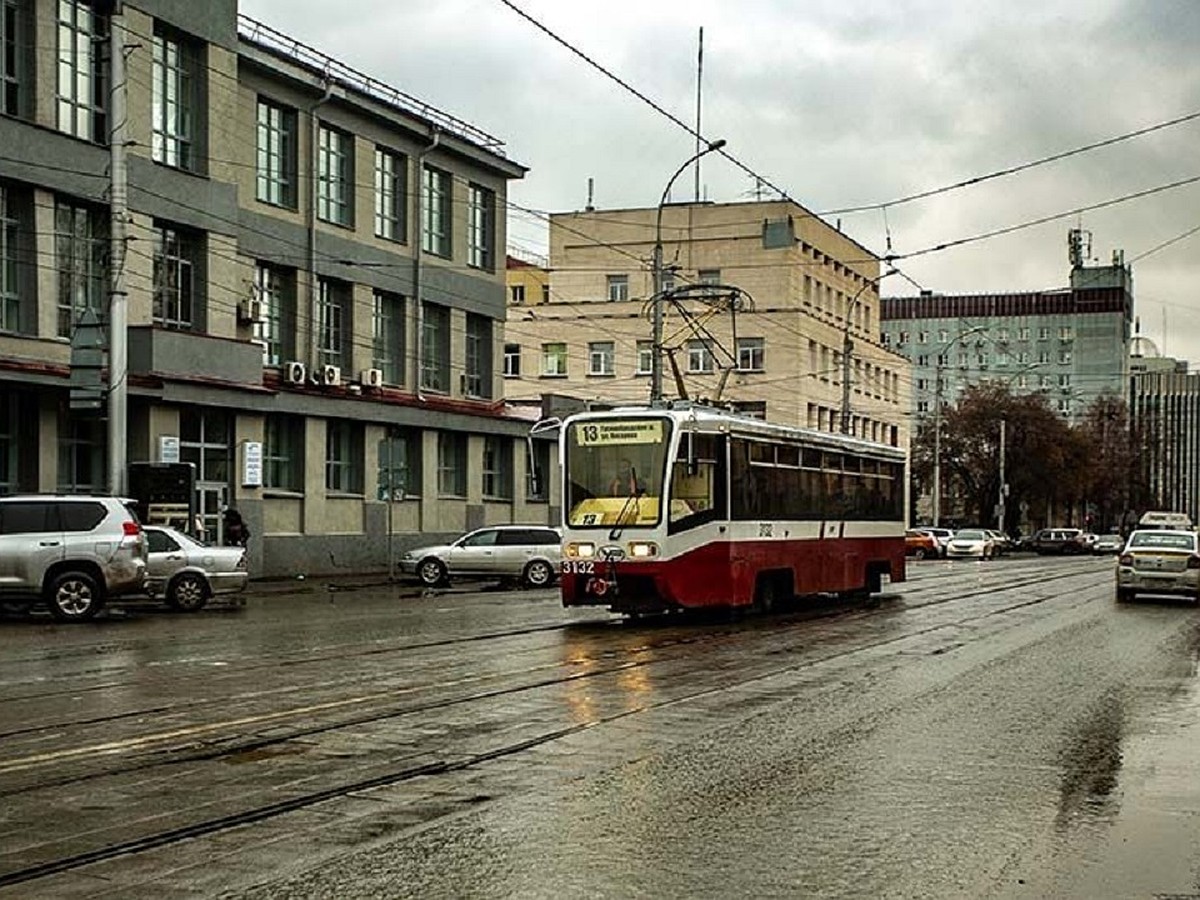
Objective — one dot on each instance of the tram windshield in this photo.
(615, 470)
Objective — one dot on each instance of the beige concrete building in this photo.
(527, 280)
(806, 288)
(315, 280)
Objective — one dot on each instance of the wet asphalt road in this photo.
(1001, 729)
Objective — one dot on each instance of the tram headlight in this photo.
(642, 549)
(581, 550)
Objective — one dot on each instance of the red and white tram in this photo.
(671, 508)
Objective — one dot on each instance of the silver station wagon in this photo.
(1159, 562)
(530, 554)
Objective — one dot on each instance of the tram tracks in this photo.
(452, 763)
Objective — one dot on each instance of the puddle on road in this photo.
(260, 753)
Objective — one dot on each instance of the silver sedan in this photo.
(971, 543)
(185, 573)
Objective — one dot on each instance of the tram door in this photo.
(211, 500)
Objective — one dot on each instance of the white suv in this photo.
(71, 552)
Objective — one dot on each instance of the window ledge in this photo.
(492, 499)
(343, 495)
(452, 496)
(601, 374)
(550, 375)
(281, 494)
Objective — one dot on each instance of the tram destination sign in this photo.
(645, 431)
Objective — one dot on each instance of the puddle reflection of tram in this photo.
(684, 508)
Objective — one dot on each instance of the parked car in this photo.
(1159, 562)
(1002, 542)
(941, 535)
(185, 572)
(72, 553)
(531, 554)
(921, 544)
(1108, 543)
(971, 543)
(1058, 540)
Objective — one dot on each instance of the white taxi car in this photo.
(1159, 562)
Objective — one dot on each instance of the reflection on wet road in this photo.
(1001, 729)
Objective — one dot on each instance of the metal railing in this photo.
(338, 72)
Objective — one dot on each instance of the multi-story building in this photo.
(807, 290)
(1164, 413)
(528, 281)
(314, 272)
(1072, 344)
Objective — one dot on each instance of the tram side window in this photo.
(698, 496)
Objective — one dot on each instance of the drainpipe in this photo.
(314, 313)
(418, 245)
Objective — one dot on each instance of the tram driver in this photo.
(625, 483)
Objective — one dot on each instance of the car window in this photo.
(546, 537)
(486, 538)
(968, 535)
(26, 517)
(80, 516)
(161, 542)
(1163, 539)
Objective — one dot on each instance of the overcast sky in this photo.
(840, 103)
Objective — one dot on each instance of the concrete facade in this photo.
(207, 378)
(808, 288)
(1164, 411)
(1071, 344)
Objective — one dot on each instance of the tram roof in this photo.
(714, 419)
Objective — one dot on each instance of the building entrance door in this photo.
(211, 500)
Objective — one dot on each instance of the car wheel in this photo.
(920, 553)
(432, 572)
(187, 593)
(74, 597)
(538, 574)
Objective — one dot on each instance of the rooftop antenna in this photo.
(699, 84)
(591, 191)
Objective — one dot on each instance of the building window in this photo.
(275, 329)
(276, 166)
(554, 360)
(902, 338)
(600, 358)
(333, 322)
(699, 357)
(943, 335)
(1064, 406)
(497, 467)
(922, 337)
(388, 337)
(512, 360)
(545, 293)
(750, 354)
(1043, 334)
(283, 453)
(1066, 333)
(1022, 357)
(1043, 357)
(436, 212)
(922, 384)
(1064, 381)
(1002, 358)
(335, 176)
(922, 406)
(400, 464)
(174, 104)
(1044, 381)
(1024, 334)
(81, 260)
(435, 347)
(477, 363)
(15, 55)
(516, 294)
(1003, 334)
(81, 455)
(481, 227)
(1064, 357)
(391, 195)
(10, 296)
(175, 255)
(452, 464)
(708, 276)
(645, 358)
(618, 288)
(1022, 381)
(82, 71)
(343, 457)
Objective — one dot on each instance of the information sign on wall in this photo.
(252, 474)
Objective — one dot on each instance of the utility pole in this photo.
(118, 310)
(1003, 485)
(937, 447)
(847, 349)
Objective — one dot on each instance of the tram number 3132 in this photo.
(578, 567)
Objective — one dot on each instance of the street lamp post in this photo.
(656, 373)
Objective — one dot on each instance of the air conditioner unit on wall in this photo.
(372, 378)
(295, 373)
(249, 310)
(331, 376)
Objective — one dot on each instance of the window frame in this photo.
(497, 470)
(283, 453)
(452, 464)
(617, 287)
(554, 351)
(10, 262)
(435, 348)
(176, 302)
(645, 356)
(87, 61)
(756, 347)
(700, 359)
(391, 195)
(343, 457)
(512, 360)
(602, 358)
(387, 334)
(334, 325)
(335, 176)
(481, 227)
(477, 353)
(437, 212)
(276, 154)
(174, 99)
(275, 289)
